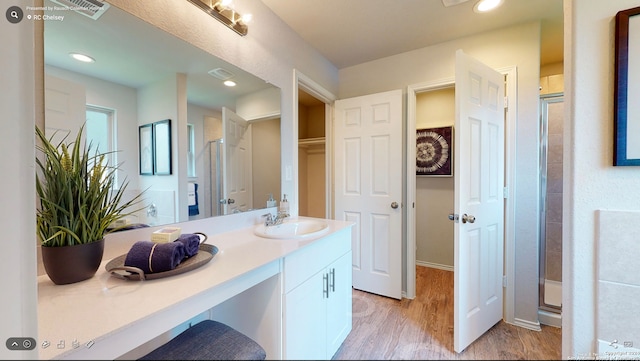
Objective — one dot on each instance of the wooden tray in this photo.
(117, 268)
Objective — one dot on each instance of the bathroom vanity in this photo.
(291, 295)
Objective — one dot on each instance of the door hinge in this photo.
(506, 102)
(504, 281)
(505, 192)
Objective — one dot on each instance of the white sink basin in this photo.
(293, 229)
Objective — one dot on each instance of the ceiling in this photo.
(350, 32)
(135, 53)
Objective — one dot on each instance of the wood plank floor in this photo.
(422, 328)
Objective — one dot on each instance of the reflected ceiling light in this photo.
(223, 11)
(229, 83)
(82, 57)
(483, 6)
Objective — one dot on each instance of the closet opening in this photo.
(312, 155)
(435, 112)
(313, 119)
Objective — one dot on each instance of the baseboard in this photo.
(434, 265)
(535, 326)
(550, 318)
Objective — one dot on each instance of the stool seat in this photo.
(209, 340)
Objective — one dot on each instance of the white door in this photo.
(478, 199)
(65, 108)
(368, 187)
(237, 178)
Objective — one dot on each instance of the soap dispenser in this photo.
(284, 205)
(271, 202)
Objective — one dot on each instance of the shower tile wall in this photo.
(553, 256)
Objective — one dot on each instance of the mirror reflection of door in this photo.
(64, 108)
(237, 174)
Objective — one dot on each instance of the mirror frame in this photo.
(627, 114)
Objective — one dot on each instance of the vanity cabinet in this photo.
(317, 299)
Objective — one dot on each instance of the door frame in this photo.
(317, 91)
(511, 81)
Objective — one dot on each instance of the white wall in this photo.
(159, 101)
(591, 183)
(22, 102)
(515, 46)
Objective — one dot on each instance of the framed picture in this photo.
(145, 143)
(627, 88)
(162, 147)
(434, 152)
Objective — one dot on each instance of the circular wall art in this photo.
(434, 151)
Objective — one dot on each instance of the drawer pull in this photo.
(325, 285)
(333, 279)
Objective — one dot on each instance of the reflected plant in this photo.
(78, 200)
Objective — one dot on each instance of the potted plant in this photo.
(78, 202)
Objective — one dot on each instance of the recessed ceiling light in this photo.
(82, 57)
(229, 83)
(483, 6)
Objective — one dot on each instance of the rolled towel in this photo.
(153, 257)
(191, 243)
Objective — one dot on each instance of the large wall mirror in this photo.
(224, 141)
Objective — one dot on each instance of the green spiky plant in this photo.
(78, 201)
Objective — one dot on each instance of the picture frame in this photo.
(146, 149)
(434, 152)
(627, 86)
(162, 147)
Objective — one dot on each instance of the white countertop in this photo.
(103, 306)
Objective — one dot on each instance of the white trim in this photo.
(550, 318)
(509, 212)
(535, 326)
(510, 183)
(443, 267)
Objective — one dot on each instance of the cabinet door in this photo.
(339, 302)
(305, 325)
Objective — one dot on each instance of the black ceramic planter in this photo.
(70, 264)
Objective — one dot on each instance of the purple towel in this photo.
(153, 257)
(191, 243)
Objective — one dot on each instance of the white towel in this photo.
(191, 194)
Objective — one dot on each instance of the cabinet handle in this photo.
(325, 285)
(333, 279)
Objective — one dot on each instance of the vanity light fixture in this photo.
(484, 6)
(224, 12)
(82, 57)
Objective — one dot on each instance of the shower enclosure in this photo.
(215, 176)
(551, 130)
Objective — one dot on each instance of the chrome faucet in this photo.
(270, 220)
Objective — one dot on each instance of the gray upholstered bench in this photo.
(208, 340)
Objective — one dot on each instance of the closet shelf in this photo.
(311, 141)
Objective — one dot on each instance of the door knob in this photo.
(468, 218)
(453, 217)
(394, 205)
(231, 201)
